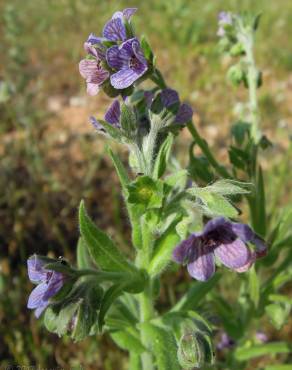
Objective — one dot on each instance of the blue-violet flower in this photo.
(224, 240)
(128, 61)
(112, 116)
(115, 29)
(49, 283)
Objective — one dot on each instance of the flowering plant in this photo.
(188, 216)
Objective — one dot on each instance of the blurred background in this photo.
(51, 157)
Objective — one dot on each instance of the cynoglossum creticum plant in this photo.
(109, 292)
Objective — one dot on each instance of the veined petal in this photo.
(184, 114)
(169, 97)
(90, 49)
(126, 77)
(115, 30)
(54, 285)
(243, 231)
(87, 68)
(96, 124)
(113, 113)
(203, 266)
(92, 89)
(185, 251)
(234, 255)
(113, 58)
(129, 12)
(36, 296)
(35, 269)
(248, 265)
(138, 52)
(40, 309)
(260, 246)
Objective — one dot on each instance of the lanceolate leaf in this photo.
(162, 157)
(83, 258)
(163, 346)
(101, 248)
(163, 250)
(244, 354)
(110, 296)
(121, 171)
(128, 340)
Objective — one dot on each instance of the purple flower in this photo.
(94, 47)
(49, 283)
(115, 29)
(224, 19)
(225, 342)
(112, 116)
(261, 337)
(129, 62)
(224, 240)
(169, 97)
(91, 68)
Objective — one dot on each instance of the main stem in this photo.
(146, 304)
(252, 76)
(146, 313)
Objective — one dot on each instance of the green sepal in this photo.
(148, 53)
(128, 120)
(146, 192)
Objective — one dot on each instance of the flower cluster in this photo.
(122, 63)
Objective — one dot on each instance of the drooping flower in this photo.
(112, 116)
(91, 68)
(48, 284)
(224, 240)
(224, 19)
(94, 47)
(115, 29)
(128, 61)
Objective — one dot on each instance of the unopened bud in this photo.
(195, 350)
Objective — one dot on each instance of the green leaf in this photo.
(114, 132)
(162, 157)
(244, 354)
(83, 258)
(146, 49)
(163, 346)
(109, 297)
(178, 179)
(229, 187)
(101, 248)
(163, 250)
(128, 340)
(135, 362)
(254, 286)
(279, 367)
(240, 131)
(195, 294)
(214, 204)
(278, 313)
(128, 120)
(120, 169)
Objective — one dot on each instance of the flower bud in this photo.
(235, 74)
(195, 350)
(237, 50)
